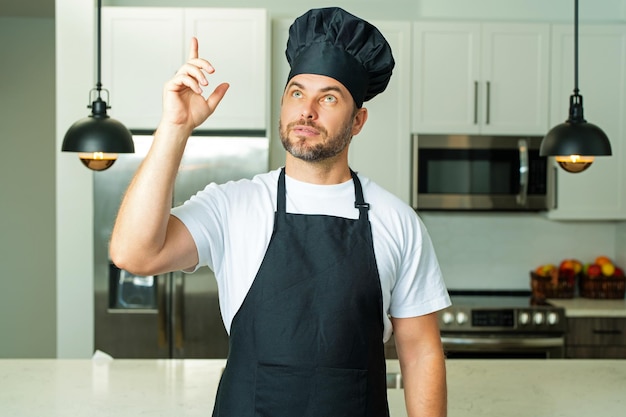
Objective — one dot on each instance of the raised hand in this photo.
(183, 103)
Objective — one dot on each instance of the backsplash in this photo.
(497, 250)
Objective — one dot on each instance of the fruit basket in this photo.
(552, 286)
(602, 280)
(602, 287)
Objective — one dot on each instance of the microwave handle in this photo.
(522, 145)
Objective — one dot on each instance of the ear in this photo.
(359, 121)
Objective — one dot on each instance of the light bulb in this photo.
(97, 161)
(574, 163)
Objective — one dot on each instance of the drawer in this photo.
(596, 331)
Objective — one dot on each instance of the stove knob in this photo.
(461, 317)
(538, 318)
(447, 318)
(552, 318)
(524, 318)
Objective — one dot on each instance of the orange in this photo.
(601, 260)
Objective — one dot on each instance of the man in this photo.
(315, 265)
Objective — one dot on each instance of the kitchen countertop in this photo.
(589, 307)
(186, 388)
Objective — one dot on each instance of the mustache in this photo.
(307, 123)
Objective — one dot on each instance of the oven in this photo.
(501, 325)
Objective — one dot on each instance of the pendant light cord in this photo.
(575, 47)
(98, 52)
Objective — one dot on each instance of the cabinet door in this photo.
(381, 151)
(596, 337)
(446, 93)
(141, 50)
(235, 42)
(600, 191)
(515, 74)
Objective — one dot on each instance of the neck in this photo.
(328, 172)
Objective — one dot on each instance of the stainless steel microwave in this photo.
(461, 172)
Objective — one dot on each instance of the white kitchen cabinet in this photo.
(143, 47)
(480, 78)
(599, 193)
(381, 151)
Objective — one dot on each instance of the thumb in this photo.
(217, 95)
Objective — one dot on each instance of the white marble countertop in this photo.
(589, 307)
(186, 388)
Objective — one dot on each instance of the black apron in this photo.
(307, 340)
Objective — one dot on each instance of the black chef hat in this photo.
(337, 44)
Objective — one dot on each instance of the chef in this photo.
(316, 264)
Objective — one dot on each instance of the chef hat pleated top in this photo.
(332, 42)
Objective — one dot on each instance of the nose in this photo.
(308, 110)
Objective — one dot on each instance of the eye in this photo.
(330, 99)
(296, 94)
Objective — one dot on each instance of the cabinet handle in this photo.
(614, 332)
(522, 196)
(475, 102)
(162, 310)
(488, 102)
(179, 308)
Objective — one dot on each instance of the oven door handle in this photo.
(535, 342)
(522, 145)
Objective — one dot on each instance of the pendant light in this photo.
(98, 138)
(575, 143)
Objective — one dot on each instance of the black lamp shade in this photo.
(575, 138)
(97, 133)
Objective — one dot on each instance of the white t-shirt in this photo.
(232, 223)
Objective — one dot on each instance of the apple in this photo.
(594, 271)
(578, 266)
(619, 272)
(545, 270)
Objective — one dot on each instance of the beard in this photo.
(328, 148)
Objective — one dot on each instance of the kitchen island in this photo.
(186, 388)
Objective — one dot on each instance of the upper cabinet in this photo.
(143, 47)
(480, 78)
(599, 193)
(382, 149)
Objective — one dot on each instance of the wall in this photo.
(75, 77)
(462, 241)
(497, 250)
(27, 304)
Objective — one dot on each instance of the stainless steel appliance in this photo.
(174, 315)
(501, 325)
(461, 172)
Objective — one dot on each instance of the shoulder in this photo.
(386, 205)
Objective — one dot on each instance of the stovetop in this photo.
(506, 311)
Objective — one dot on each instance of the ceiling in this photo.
(28, 8)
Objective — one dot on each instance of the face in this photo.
(318, 117)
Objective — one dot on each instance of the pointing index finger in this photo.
(193, 50)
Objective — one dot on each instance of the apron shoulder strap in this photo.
(360, 201)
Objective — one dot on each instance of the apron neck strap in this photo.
(360, 201)
(281, 199)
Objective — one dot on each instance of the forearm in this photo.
(140, 230)
(425, 389)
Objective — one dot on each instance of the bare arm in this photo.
(146, 239)
(422, 363)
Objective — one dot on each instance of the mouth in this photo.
(302, 130)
